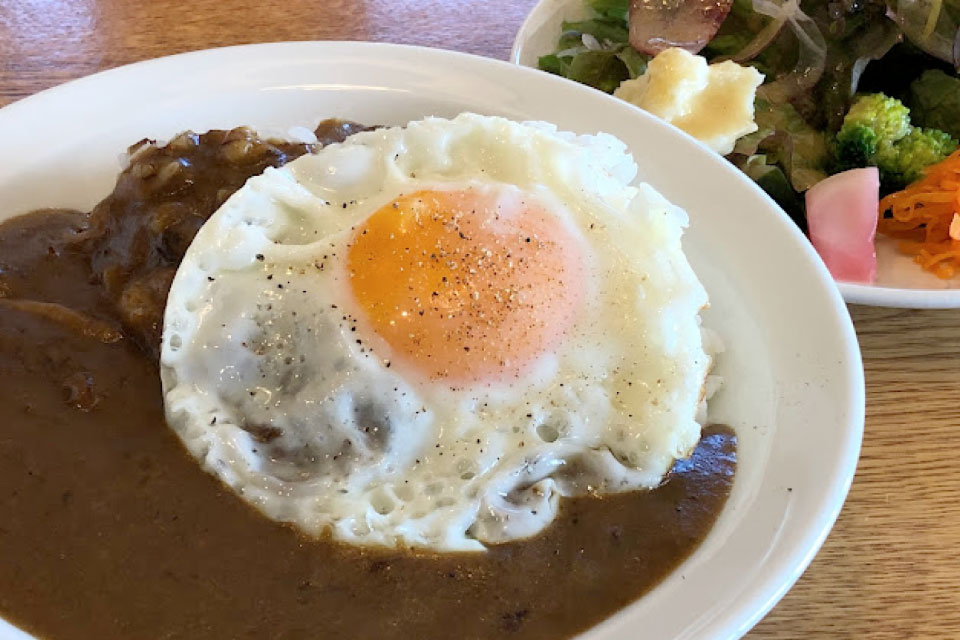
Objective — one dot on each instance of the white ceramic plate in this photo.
(900, 282)
(794, 389)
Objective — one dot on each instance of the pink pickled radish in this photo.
(842, 220)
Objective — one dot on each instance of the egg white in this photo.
(273, 388)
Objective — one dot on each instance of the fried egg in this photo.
(427, 335)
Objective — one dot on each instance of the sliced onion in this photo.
(933, 17)
(769, 32)
(859, 66)
(590, 42)
(770, 7)
(810, 61)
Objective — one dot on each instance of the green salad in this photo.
(848, 83)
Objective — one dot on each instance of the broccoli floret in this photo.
(874, 122)
(877, 132)
(856, 147)
(887, 117)
(904, 162)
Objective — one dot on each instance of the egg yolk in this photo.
(466, 286)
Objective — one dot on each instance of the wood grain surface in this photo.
(889, 569)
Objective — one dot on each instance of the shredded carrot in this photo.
(920, 217)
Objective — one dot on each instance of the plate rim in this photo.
(766, 592)
(899, 298)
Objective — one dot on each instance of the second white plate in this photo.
(900, 281)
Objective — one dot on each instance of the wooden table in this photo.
(889, 569)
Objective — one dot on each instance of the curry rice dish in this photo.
(110, 529)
